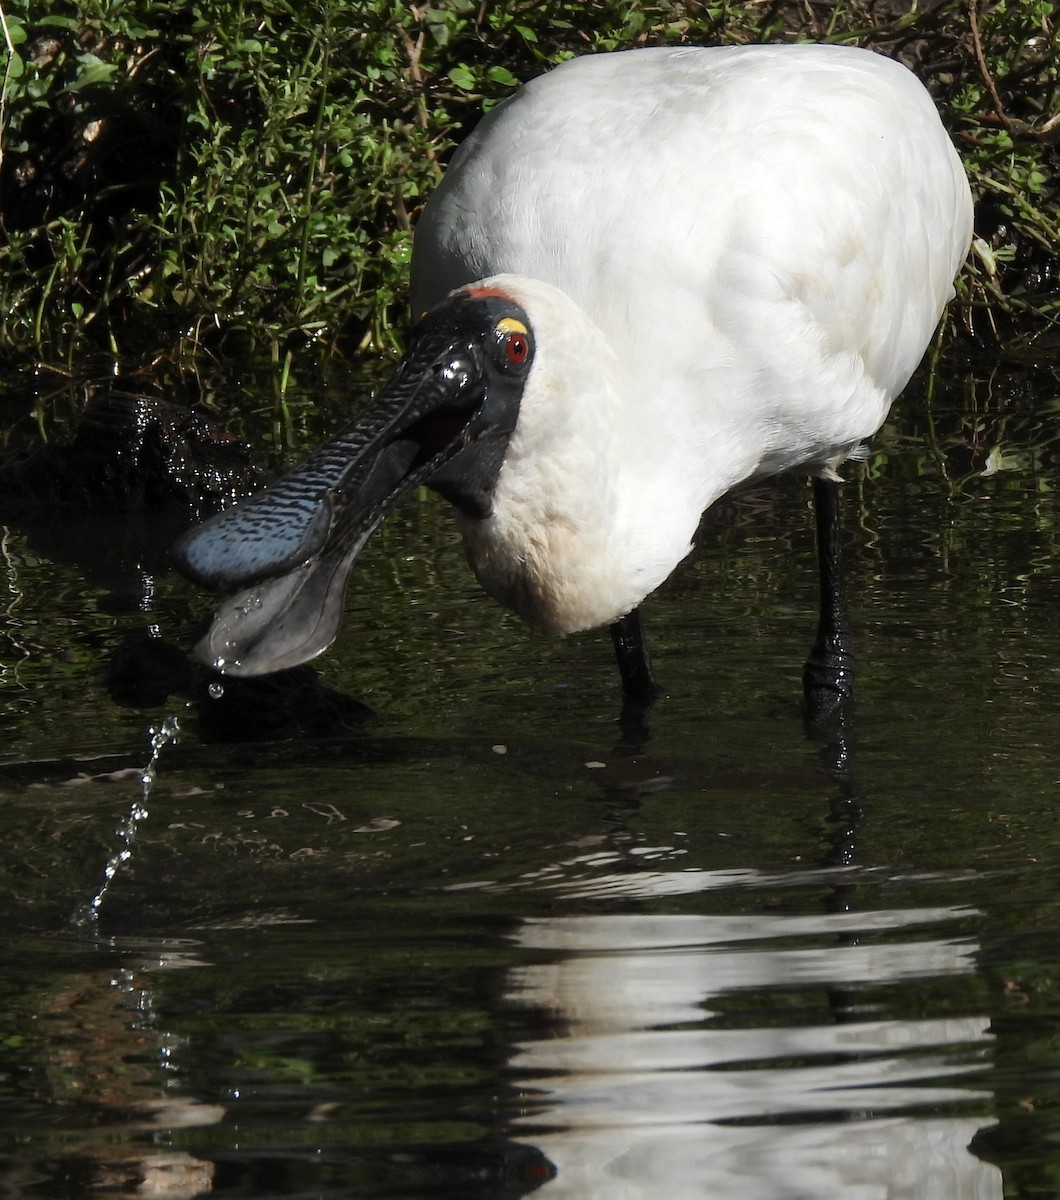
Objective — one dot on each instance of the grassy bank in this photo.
(180, 179)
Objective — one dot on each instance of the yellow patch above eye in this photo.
(511, 325)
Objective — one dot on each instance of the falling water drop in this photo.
(168, 731)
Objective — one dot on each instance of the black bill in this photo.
(286, 554)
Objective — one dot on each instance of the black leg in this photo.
(828, 677)
(634, 662)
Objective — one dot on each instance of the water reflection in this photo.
(645, 1089)
(108, 1081)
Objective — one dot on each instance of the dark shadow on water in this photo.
(146, 671)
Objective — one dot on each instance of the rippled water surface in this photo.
(433, 922)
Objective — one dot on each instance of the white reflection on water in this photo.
(633, 1094)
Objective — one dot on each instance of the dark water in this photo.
(487, 941)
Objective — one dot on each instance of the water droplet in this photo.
(216, 691)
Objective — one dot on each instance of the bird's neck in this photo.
(602, 485)
(583, 524)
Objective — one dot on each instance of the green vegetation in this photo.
(181, 177)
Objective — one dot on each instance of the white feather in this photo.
(733, 259)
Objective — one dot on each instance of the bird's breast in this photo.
(558, 576)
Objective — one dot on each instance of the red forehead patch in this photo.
(484, 293)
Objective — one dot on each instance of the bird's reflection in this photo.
(694, 1055)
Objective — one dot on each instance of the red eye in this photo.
(517, 347)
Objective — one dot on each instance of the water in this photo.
(486, 941)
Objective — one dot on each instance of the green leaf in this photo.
(502, 76)
(94, 70)
(463, 78)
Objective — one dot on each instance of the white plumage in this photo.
(754, 246)
(677, 270)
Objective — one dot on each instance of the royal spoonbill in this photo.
(648, 277)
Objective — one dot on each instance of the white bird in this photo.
(649, 277)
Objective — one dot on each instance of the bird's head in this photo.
(444, 419)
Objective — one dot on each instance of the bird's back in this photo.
(765, 235)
